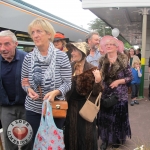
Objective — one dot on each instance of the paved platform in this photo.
(139, 116)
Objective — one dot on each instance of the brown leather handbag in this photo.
(59, 108)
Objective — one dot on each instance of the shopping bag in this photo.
(48, 136)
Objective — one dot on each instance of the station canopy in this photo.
(126, 15)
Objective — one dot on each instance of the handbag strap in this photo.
(89, 95)
(98, 99)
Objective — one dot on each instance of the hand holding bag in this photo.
(48, 136)
(89, 109)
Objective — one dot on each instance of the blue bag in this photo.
(48, 137)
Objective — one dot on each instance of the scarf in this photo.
(110, 74)
(49, 75)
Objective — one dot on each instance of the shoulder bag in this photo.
(109, 101)
(89, 109)
(59, 108)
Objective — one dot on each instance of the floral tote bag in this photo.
(48, 137)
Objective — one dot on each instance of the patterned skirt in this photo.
(113, 123)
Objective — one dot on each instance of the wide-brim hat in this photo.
(81, 46)
(60, 36)
(121, 46)
(107, 38)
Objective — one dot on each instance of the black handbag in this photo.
(110, 101)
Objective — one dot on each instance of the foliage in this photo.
(100, 26)
(127, 45)
(103, 29)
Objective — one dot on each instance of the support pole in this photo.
(144, 28)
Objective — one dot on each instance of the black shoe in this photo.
(103, 146)
(116, 145)
(136, 102)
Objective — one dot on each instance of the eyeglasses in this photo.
(110, 45)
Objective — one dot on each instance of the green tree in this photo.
(100, 26)
(103, 29)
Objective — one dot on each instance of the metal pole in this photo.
(144, 28)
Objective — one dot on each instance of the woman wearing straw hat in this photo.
(113, 120)
(79, 133)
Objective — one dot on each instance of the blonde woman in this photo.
(47, 71)
(135, 84)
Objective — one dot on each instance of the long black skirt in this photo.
(79, 133)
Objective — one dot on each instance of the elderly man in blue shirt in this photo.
(93, 40)
(12, 96)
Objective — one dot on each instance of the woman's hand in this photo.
(51, 95)
(32, 94)
(25, 82)
(97, 75)
(117, 82)
(114, 84)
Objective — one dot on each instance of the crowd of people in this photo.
(57, 69)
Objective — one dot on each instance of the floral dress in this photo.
(113, 123)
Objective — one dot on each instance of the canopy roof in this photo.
(126, 15)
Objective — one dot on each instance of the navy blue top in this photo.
(11, 92)
(8, 71)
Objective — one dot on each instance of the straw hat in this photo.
(121, 46)
(82, 46)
